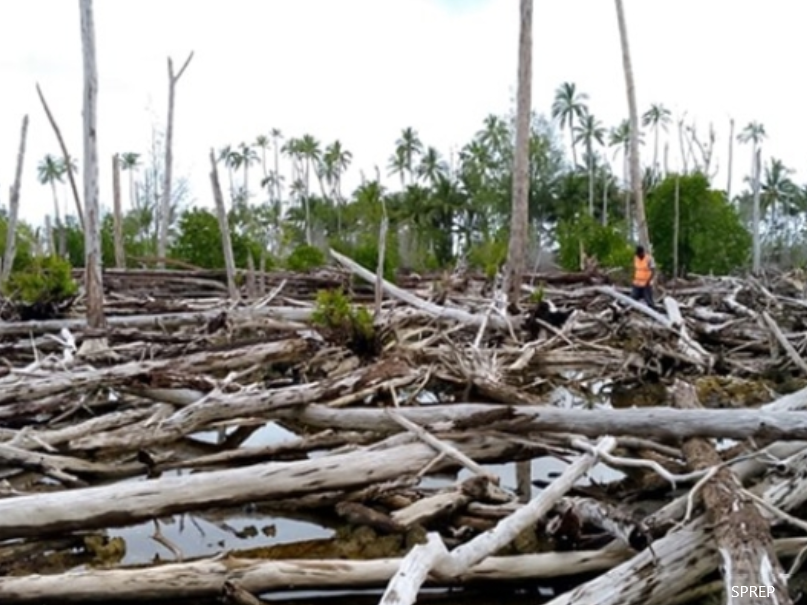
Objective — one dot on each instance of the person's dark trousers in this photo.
(643, 293)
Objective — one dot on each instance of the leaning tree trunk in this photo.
(165, 199)
(120, 254)
(635, 164)
(65, 156)
(224, 227)
(92, 232)
(14, 207)
(519, 222)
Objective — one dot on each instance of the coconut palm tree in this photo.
(753, 133)
(50, 171)
(658, 118)
(262, 142)
(432, 166)
(247, 157)
(130, 161)
(568, 107)
(409, 147)
(589, 131)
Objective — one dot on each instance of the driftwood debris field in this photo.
(653, 456)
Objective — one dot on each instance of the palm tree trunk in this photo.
(684, 160)
(120, 255)
(757, 263)
(60, 228)
(605, 182)
(519, 222)
(655, 148)
(590, 180)
(731, 159)
(635, 163)
(574, 147)
(92, 233)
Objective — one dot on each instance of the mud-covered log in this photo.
(741, 533)
(126, 503)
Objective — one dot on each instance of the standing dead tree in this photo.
(92, 232)
(165, 199)
(521, 162)
(14, 207)
(120, 254)
(65, 155)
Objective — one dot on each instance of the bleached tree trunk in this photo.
(120, 254)
(731, 159)
(757, 263)
(519, 221)
(14, 206)
(165, 199)
(635, 163)
(92, 232)
(224, 227)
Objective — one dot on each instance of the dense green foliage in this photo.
(711, 236)
(606, 243)
(288, 201)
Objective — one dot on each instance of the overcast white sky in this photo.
(361, 70)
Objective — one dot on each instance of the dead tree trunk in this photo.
(92, 232)
(14, 207)
(165, 199)
(519, 222)
(635, 163)
(120, 254)
(224, 227)
(65, 156)
(743, 536)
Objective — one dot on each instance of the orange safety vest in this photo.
(641, 271)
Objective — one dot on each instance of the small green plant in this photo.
(305, 258)
(345, 322)
(43, 289)
(537, 296)
(489, 255)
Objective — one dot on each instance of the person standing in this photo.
(643, 272)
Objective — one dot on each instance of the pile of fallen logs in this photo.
(706, 489)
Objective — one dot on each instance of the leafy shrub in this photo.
(305, 258)
(488, 255)
(606, 243)
(43, 289)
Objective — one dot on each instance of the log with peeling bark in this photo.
(742, 534)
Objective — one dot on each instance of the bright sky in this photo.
(361, 70)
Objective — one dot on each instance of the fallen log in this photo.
(157, 322)
(126, 503)
(203, 409)
(652, 423)
(742, 534)
(205, 578)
